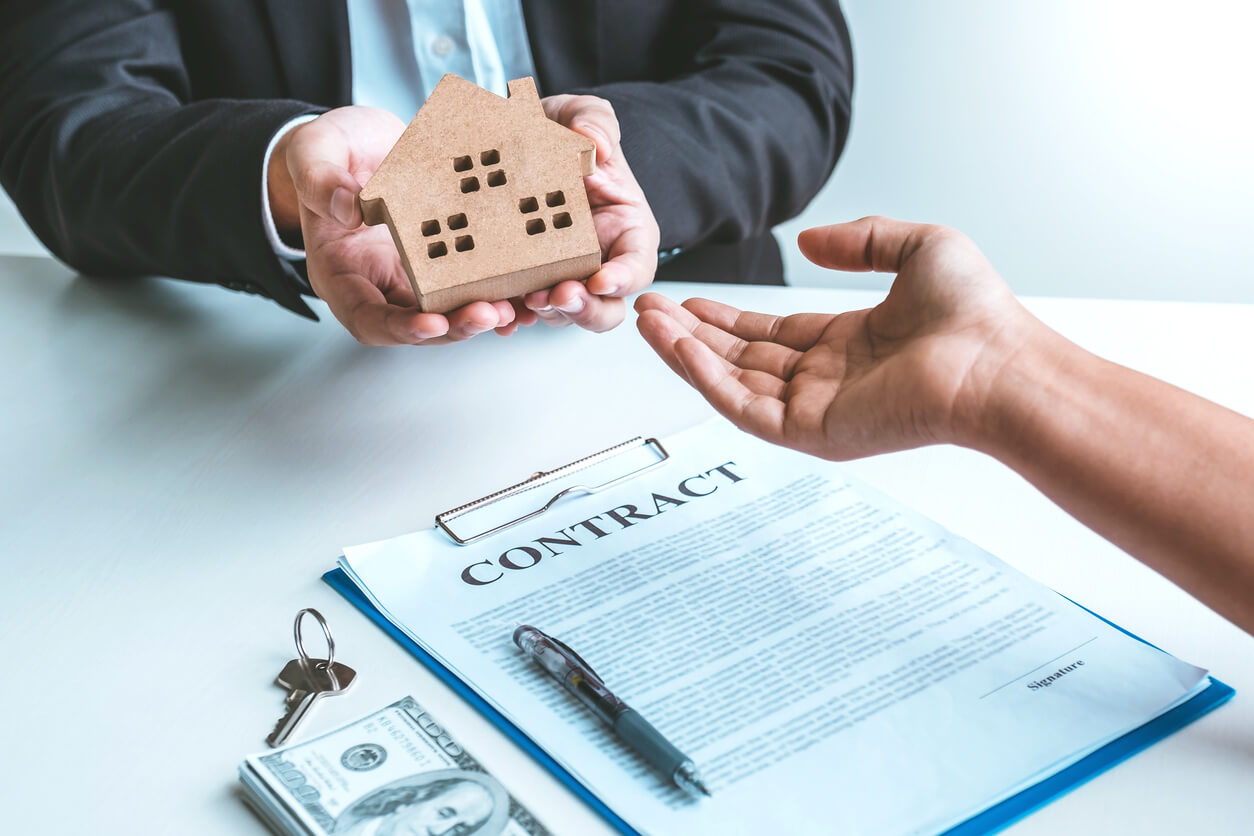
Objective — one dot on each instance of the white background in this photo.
(1091, 148)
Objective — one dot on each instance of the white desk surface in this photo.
(181, 464)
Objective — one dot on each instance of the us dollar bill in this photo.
(396, 771)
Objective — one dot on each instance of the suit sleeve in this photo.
(747, 136)
(113, 166)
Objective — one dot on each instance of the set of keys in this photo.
(308, 680)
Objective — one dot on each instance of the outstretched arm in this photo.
(951, 357)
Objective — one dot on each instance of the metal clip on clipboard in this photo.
(628, 451)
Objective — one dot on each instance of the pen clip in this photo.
(578, 658)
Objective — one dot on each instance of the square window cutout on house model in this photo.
(484, 197)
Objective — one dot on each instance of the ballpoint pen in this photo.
(580, 680)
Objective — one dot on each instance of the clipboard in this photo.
(617, 460)
(599, 471)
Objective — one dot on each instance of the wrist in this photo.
(1017, 375)
(284, 203)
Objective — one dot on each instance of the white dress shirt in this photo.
(401, 48)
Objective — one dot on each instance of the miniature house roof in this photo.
(487, 191)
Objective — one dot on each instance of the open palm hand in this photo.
(911, 371)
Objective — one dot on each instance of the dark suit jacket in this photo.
(132, 131)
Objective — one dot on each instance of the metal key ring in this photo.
(326, 631)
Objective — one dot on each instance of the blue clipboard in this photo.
(995, 818)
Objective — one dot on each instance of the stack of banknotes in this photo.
(395, 771)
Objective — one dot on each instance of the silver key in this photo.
(293, 677)
(307, 681)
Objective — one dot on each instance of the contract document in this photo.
(832, 661)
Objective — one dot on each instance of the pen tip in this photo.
(687, 777)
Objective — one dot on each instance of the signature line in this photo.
(1038, 667)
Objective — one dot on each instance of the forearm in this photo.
(151, 189)
(1162, 473)
(115, 169)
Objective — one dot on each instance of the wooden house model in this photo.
(484, 197)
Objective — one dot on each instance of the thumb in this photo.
(590, 116)
(873, 243)
(317, 159)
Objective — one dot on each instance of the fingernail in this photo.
(612, 290)
(545, 309)
(573, 306)
(600, 137)
(342, 206)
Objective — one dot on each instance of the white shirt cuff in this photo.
(267, 218)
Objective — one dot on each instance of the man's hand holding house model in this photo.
(508, 215)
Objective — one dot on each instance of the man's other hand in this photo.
(624, 222)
